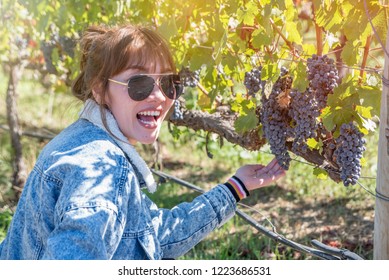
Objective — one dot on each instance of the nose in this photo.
(157, 94)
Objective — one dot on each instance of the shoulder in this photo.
(82, 147)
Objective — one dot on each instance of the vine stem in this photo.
(319, 39)
(364, 60)
(203, 90)
(319, 33)
(289, 43)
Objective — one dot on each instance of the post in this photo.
(381, 222)
(19, 168)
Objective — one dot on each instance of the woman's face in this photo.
(139, 121)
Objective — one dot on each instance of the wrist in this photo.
(237, 188)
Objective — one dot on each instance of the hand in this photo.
(255, 176)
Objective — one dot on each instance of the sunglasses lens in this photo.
(172, 86)
(140, 87)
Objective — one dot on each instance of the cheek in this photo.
(169, 108)
(169, 103)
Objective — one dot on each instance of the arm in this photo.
(182, 227)
(187, 224)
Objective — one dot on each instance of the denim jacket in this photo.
(84, 200)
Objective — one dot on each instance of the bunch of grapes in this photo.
(189, 78)
(303, 110)
(177, 113)
(67, 44)
(323, 77)
(348, 153)
(275, 122)
(253, 82)
(47, 48)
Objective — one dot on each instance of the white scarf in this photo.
(91, 112)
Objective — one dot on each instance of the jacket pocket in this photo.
(150, 245)
(141, 245)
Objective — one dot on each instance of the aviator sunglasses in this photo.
(140, 86)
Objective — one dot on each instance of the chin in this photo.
(148, 141)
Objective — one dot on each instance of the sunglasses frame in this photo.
(156, 82)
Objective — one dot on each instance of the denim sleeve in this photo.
(185, 225)
(86, 232)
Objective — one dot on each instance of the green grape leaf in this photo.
(330, 18)
(320, 173)
(314, 145)
(168, 28)
(292, 29)
(247, 15)
(366, 125)
(299, 74)
(309, 49)
(246, 122)
(260, 38)
(371, 98)
(332, 117)
(270, 71)
(350, 54)
(365, 112)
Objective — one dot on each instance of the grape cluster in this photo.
(47, 48)
(323, 77)
(68, 45)
(275, 122)
(177, 113)
(189, 78)
(303, 110)
(253, 82)
(348, 153)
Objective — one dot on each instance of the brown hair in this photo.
(107, 51)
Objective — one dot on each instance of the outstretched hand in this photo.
(255, 176)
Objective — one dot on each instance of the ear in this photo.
(97, 93)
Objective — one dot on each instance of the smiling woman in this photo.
(86, 197)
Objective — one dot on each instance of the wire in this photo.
(385, 81)
(373, 27)
(272, 234)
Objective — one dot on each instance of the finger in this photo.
(269, 167)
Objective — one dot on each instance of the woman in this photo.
(84, 198)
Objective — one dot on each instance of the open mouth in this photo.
(149, 118)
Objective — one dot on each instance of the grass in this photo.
(300, 206)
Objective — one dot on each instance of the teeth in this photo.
(150, 113)
(146, 122)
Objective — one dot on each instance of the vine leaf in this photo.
(300, 80)
(294, 36)
(246, 122)
(270, 72)
(349, 52)
(260, 38)
(313, 144)
(320, 173)
(330, 19)
(371, 97)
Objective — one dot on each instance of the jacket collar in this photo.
(92, 113)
